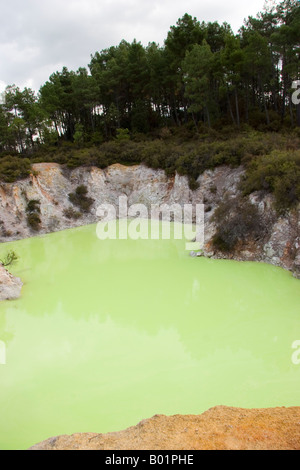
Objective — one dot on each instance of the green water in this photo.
(108, 333)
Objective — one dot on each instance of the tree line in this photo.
(204, 74)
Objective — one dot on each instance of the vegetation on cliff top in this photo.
(207, 97)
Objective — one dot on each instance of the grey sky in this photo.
(39, 37)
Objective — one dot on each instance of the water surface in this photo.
(108, 333)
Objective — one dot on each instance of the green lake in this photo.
(110, 332)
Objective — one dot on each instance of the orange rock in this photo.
(219, 428)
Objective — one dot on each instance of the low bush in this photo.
(34, 221)
(14, 168)
(277, 173)
(122, 134)
(33, 211)
(70, 213)
(3, 231)
(80, 198)
(78, 158)
(237, 220)
(33, 205)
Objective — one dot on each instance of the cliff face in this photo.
(51, 184)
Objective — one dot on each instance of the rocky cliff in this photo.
(220, 428)
(50, 184)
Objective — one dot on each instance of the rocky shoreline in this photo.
(50, 184)
(219, 428)
(10, 286)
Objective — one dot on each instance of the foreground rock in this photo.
(220, 428)
(10, 286)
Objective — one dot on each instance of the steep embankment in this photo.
(220, 428)
(50, 184)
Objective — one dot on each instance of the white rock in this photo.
(10, 286)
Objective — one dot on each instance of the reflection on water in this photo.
(111, 332)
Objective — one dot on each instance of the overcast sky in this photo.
(39, 37)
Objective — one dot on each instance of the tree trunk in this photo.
(264, 102)
(176, 113)
(284, 86)
(208, 116)
(230, 108)
(195, 122)
(237, 108)
(291, 111)
(31, 137)
(298, 114)
(247, 103)
(275, 79)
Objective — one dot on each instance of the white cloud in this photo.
(2, 87)
(39, 37)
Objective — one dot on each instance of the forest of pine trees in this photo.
(204, 74)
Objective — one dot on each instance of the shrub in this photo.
(193, 184)
(33, 211)
(102, 161)
(70, 213)
(9, 258)
(34, 221)
(78, 135)
(79, 158)
(14, 168)
(122, 134)
(278, 173)
(3, 231)
(33, 206)
(236, 220)
(80, 199)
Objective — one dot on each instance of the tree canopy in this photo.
(203, 73)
